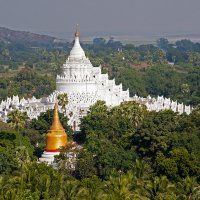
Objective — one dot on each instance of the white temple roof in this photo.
(77, 51)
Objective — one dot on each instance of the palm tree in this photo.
(10, 187)
(63, 100)
(17, 119)
(22, 156)
(131, 111)
(91, 189)
(139, 168)
(119, 188)
(71, 190)
(139, 174)
(188, 189)
(158, 185)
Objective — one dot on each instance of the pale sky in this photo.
(130, 17)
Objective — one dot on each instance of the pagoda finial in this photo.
(77, 32)
(77, 52)
(56, 125)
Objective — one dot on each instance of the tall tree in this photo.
(17, 119)
(62, 100)
(188, 189)
(158, 185)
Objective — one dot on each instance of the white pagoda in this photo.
(80, 78)
(84, 85)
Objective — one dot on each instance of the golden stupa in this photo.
(56, 137)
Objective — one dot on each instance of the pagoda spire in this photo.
(77, 51)
(56, 125)
(56, 137)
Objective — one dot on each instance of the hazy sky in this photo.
(137, 17)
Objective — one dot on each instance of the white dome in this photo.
(77, 51)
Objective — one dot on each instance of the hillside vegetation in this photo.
(12, 36)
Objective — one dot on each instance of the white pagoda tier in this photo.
(80, 78)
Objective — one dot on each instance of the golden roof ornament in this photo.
(77, 32)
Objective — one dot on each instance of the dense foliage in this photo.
(27, 83)
(128, 153)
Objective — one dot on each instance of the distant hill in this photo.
(12, 36)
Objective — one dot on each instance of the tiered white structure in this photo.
(80, 79)
(84, 85)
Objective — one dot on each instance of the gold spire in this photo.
(77, 32)
(56, 125)
(56, 137)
